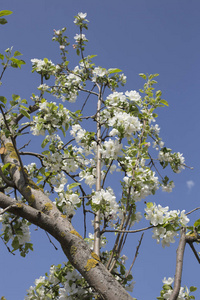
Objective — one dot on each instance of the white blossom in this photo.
(133, 96)
(168, 280)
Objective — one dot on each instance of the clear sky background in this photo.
(148, 36)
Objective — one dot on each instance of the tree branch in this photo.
(136, 254)
(179, 265)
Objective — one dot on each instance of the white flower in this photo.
(183, 218)
(111, 149)
(40, 280)
(130, 124)
(168, 281)
(82, 15)
(116, 98)
(74, 198)
(169, 238)
(156, 214)
(80, 37)
(133, 96)
(43, 87)
(97, 197)
(156, 129)
(57, 32)
(158, 233)
(168, 188)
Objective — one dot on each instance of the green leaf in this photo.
(23, 107)
(114, 70)
(15, 97)
(164, 102)
(16, 63)
(40, 178)
(197, 223)
(15, 243)
(91, 56)
(46, 152)
(158, 93)
(25, 113)
(193, 288)
(149, 204)
(143, 76)
(17, 53)
(3, 21)
(44, 143)
(5, 166)
(72, 185)
(3, 99)
(5, 12)
(1, 56)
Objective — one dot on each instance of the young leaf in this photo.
(5, 13)
(25, 113)
(71, 186)
(197, 223)
(193, 288)
(16, 63)
(3, 21)
(164, 102)
(17, 53)
(3, 99)
(114, 70)
(143, 76)
(15, 97)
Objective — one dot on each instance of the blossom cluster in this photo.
(44, 67)
(124, 124)
(168, 290)
(165, 222)
(144, 184)
(176, 160)
(61, 283)
(106, 199)
(51, 118)
(67, 202)
(18, 232)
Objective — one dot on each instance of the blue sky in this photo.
(136, 36)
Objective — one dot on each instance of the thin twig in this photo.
(50, 240)
(197, 208)
(129, 231)
(87, 98)
(7, 246)
(136, 254)
(8, 208)
(195, 252)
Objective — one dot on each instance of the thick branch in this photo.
(75, 248)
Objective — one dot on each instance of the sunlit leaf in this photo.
(5, 13)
